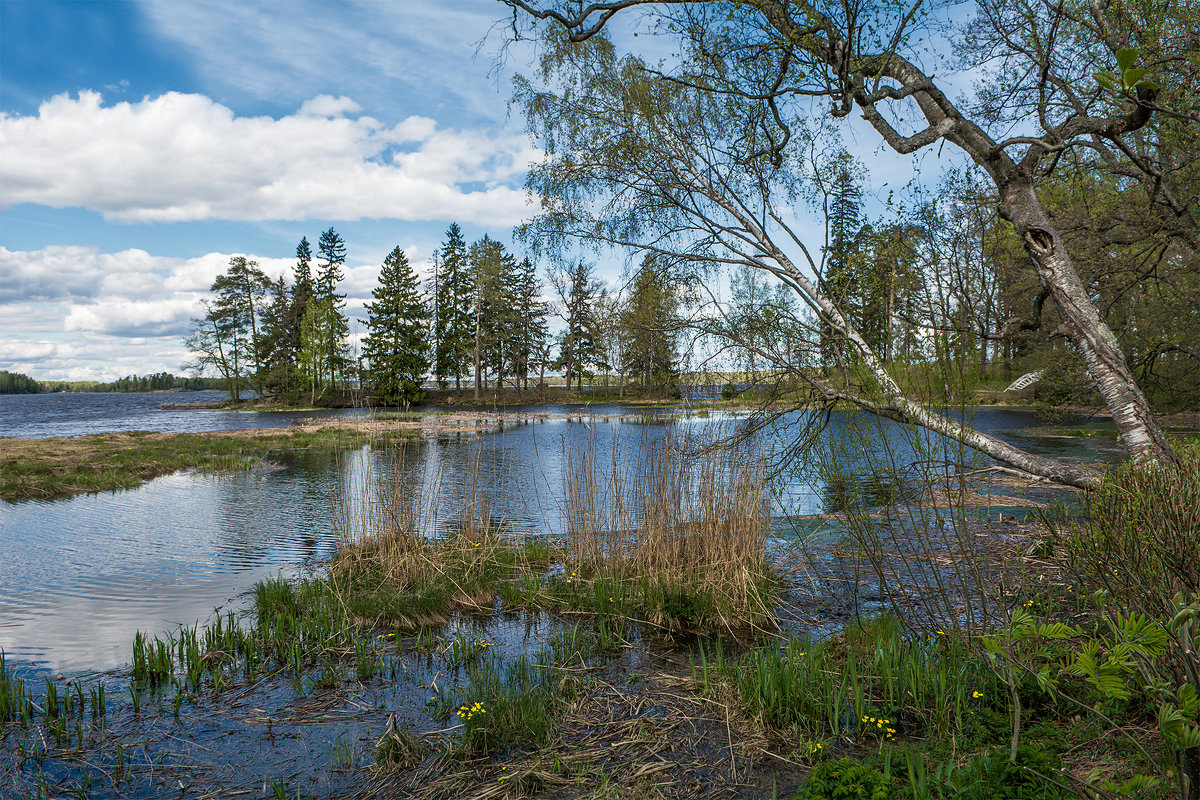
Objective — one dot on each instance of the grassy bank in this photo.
(628, 682)
(57, 467)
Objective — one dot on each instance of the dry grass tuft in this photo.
(682, 528)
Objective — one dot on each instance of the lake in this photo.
(81, 575)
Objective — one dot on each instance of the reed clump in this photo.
(391, 569)
(676, 539)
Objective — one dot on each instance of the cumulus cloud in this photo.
(75, 313)
(183, 157)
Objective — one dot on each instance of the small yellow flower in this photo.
(977, 695)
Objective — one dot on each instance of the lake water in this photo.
(81, 575)
(35, 416)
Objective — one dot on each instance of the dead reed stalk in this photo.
(685, 520)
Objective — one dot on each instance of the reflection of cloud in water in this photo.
(81, 575)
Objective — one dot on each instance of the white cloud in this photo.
(324, 105)
(422, 52)
(183, 157)
(133, 318)
(75, 313)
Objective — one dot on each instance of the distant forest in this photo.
(16, 383)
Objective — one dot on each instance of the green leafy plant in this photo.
(1128, 79)
(846, 779)
(1025, 646)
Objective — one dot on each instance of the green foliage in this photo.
(505, 702)
(395, 349)
(873, 674)
(453, 328)
(650, 327)
(994, 776)
(497, 324)
(1127, 80)
(227, 338)
(17, 383)
(846, 779)
(577, 290)
(327, 353)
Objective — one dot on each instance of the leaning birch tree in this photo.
(698, 161)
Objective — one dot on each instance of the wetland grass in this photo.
(46, 469)
(676, 540)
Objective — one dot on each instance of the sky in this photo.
(143, 143)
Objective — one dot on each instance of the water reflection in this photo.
(81, 575)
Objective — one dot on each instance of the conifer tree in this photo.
(576, 291)
(396, 349)
(842, 256)
(532, 329)
(334, 357)
(279, 358)
(454, 314)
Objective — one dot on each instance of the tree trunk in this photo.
(1083, 326)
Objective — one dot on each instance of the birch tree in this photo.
(698, 161)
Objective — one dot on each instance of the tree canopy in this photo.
(700, 159)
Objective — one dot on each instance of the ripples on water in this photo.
(35, 416)
(81, 575)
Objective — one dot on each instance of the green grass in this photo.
(676, 605)
(512, 702)
(406, 583)
(872, 683)
(59, 467)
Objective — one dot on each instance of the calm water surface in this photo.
(81, 575)
(34, 416)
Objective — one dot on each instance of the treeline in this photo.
(481, 316)
(157, 382)
(16, 383)
(942, 293)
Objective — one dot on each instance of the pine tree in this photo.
(396, 349)
(240, 292)
(334, 354)
(576, 291)
(454, 310)
(533, 329)
(649, 324)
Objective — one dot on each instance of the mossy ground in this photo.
(46, 469)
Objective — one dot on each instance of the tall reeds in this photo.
(682, 526)
(394, 567)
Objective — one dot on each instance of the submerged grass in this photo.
(62, 466)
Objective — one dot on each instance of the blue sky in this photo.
(145, 142)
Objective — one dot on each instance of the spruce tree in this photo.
(455, 310)
(301, 294)
(279, 358)
(576, 291)
(396, 349)
(532, 330)
(335, 360)
(842, 257)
